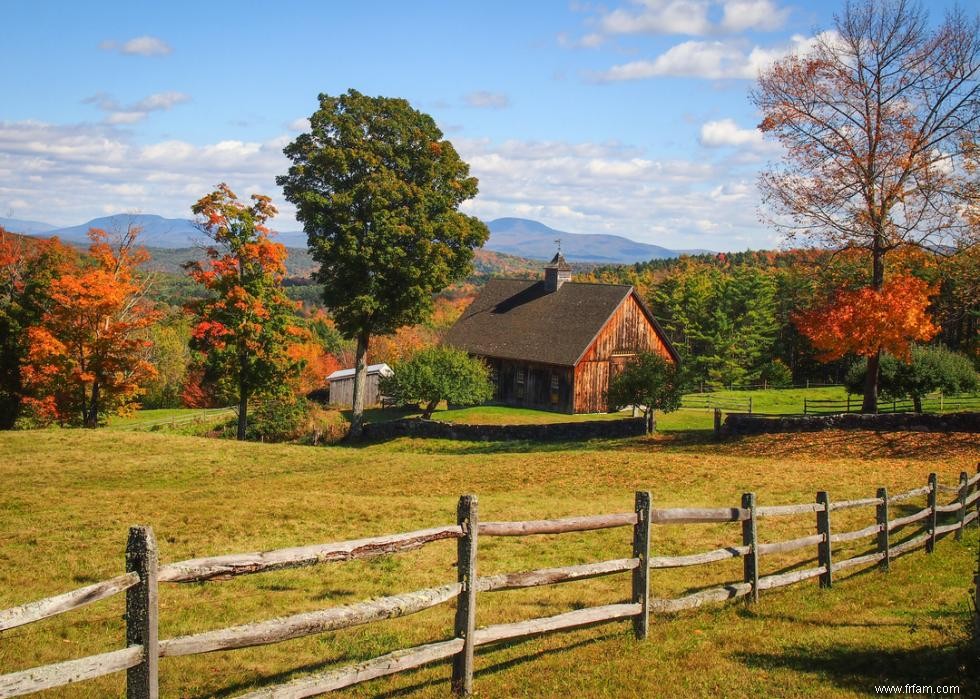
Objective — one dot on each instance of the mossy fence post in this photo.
(142, 680)
(824, 552)
(881, 518)
(641, 574)
(933, 490)
(750, 561)
(467, 517)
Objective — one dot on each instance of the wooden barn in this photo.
(554, 344)
(342, 385)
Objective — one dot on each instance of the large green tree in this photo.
(378, 189)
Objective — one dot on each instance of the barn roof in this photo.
(382, 369)
(520, 319)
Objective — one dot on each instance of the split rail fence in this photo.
(143, 650)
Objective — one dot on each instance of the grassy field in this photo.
(69, 496)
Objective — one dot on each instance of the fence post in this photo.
(804, 405)
(881, 517)
(467, 517)
(142, 681)
(717, 423)
(750, 561)
(931, 542)
(641, 574)
(961, 513)
(750, 405)
(824, 556)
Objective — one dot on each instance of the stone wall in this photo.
(550, 432)
(742, 424)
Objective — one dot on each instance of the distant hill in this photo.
(16, 225)
(157, 231)
(526, 238)
(518, 237)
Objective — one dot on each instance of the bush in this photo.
(280, 418)
(438, 374)
(648, 380)
(776, 374)
(929, 369)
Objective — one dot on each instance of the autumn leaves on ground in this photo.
(65, 526)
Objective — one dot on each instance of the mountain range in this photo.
(513, 236)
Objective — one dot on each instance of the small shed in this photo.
(342, 385)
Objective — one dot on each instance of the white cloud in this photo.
(482, 99)
(299, 125)
(682, 17)
(760, 15)
(138, 46)
(726, 132)
(659, 17)
(131, 114)
(68, 174)
(712, 60)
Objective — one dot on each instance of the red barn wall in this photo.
(627, 332)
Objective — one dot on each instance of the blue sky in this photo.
(629, 117)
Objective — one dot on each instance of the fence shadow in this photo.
(861, 669)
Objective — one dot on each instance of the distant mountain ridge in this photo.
(518, 237)
(526, 238)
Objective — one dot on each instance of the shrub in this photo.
(930, 369)
(648, 380)
(776, 374)
(438, 374)
(278, 418)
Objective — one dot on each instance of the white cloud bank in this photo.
(133, 113)
(68, 174)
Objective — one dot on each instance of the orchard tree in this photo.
(246, 329)
(648, 380)
(27, 268)
(878, 123)
(88, 354)
(437, 374)
(378, 189)
(928, 369)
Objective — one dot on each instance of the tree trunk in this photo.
(651, 421)
(242, 414)
(917, 403)
(91, 417)
(430, 408)
(360, 379)
(242, 398)
(870, 403)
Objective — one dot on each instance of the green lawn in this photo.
(69, 496)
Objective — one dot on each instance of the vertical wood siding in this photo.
(627, 332)
(342, 391)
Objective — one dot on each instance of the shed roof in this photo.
(521, 319)
(382, 369)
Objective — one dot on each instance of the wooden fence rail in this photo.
(141, 655)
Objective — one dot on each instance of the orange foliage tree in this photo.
(27, 267)
(246, 329)
(868, 321)
(87, 355)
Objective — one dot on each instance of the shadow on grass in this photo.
(504, 664)
(861, 669)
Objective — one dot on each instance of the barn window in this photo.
(520, 382)
(554, 389)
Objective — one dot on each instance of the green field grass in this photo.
(69, 496)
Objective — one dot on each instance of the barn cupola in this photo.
(557, 272)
